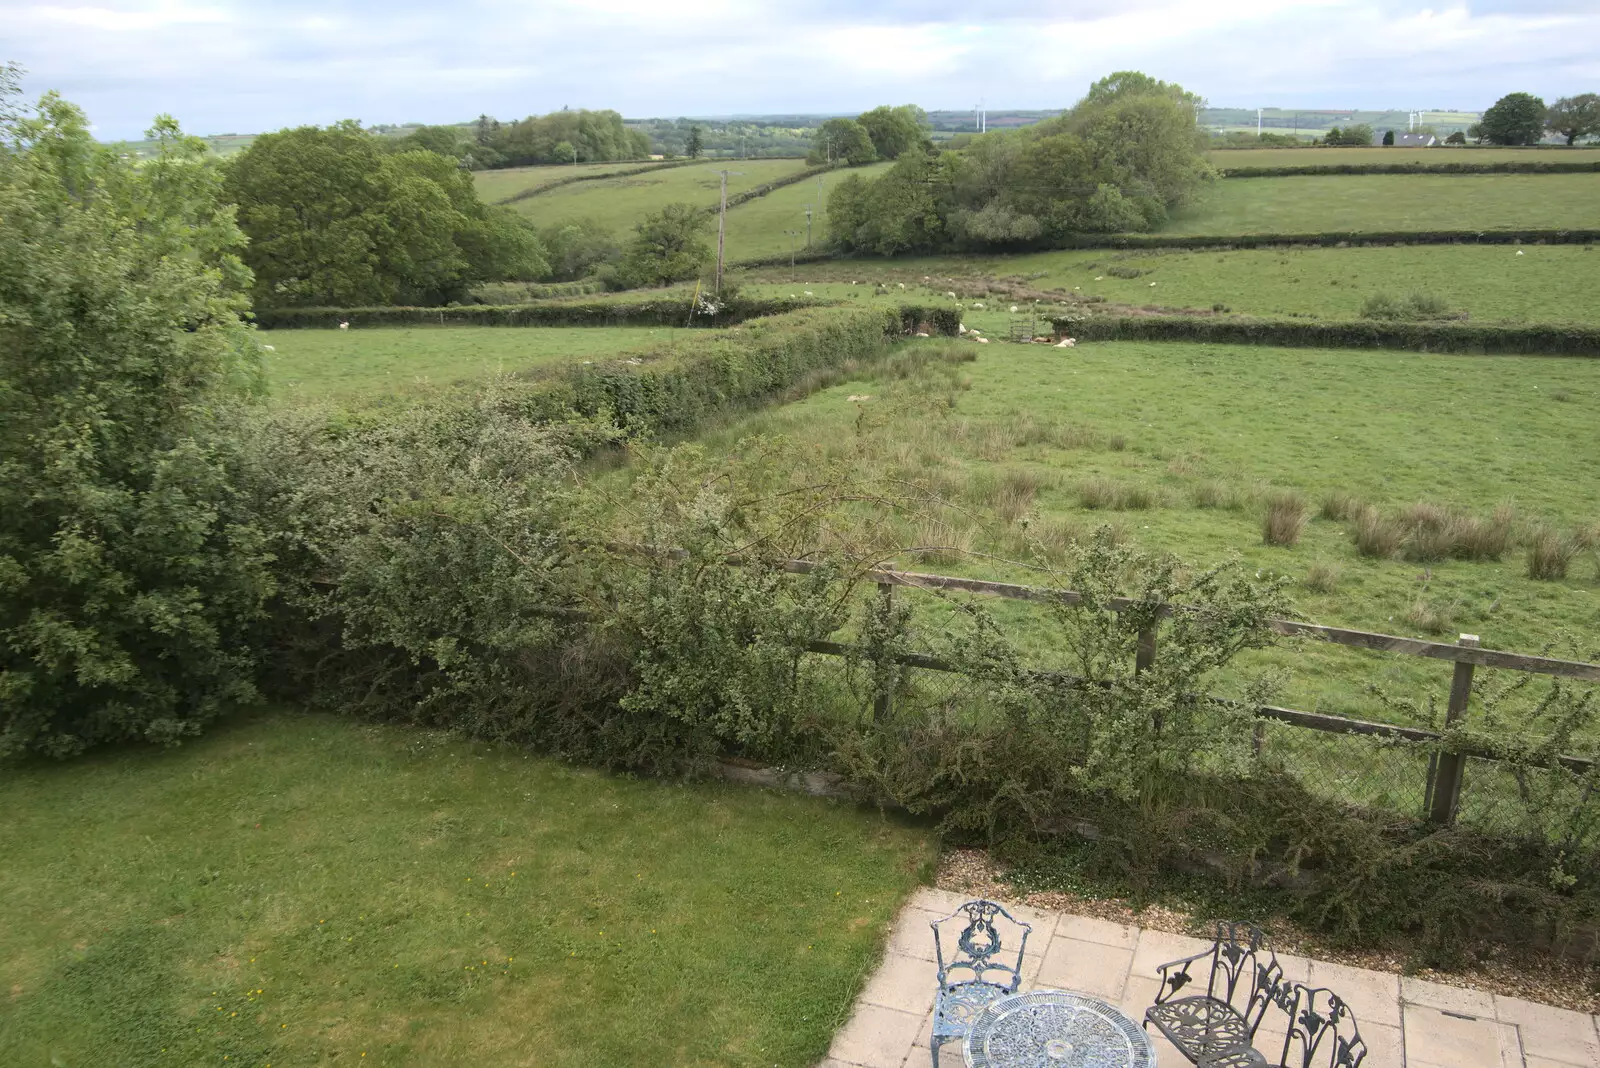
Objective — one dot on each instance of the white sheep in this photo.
(1068, 343)
(345, 325)
(1013, 309)
(977, 304)
(809, 293)
(951, 294)
(922, 333)
(963, 328)
(983, 341)
(269, 348)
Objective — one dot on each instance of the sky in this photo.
(244, 66)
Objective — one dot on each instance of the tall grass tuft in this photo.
(1213, 493)
(1322, 577)
(1376, 535)
(1550, 553)
(940, 543)
(1285, 518)
(1427, 532)
(1476, 538)
(1427, 616)
(1102, 493)
(1340, 506)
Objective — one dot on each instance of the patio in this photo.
(1407, 1023)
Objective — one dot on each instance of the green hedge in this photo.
(766, 187)
(676, 385)
(945, 321)
(1531, 340)
(1332, 237)
(661, 311)
(1510, 166)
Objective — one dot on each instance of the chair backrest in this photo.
(1322, 1029)
(980, 942)
(1245, 972)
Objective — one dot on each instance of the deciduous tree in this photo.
(842, 139)
(1515, 119)
(1574, 117)
(895, 131)
(668, 246)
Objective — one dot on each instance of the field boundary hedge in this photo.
(658, 312)
(746, 196)
(1449, 337)
(1509, 166)
(573, 179)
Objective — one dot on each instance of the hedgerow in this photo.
(1524, 340)
(660, 311)
(1511, 166)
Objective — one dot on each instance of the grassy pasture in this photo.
(495, 186)
(1322, 157)
(296, 889)
(1194, 437)
(388, 362)
(1349, 202)
(756, 228)
(621, 202)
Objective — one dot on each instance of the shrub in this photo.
(1550, 553)
(1415, 306)
(1285, 518)
(1341, 507)
(1322, 577)
(1376, 535)
(1445, 336)
(132, 579)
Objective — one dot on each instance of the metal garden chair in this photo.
(1242, 978)
(1322, 1033)
(977, 970)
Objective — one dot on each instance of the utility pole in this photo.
(792, 235)
(1258, 122)
(722, 226)
(808, 227)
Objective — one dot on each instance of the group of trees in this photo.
(563, 136)
(1121, 159)
(1522, 119)
(334, 218)
(883, 133)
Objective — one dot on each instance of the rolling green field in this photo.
(621, 202)
(1204, 433)
(756, 229)
(497, 185)
(1322, 157)
(296, 889)
(1322, 203)
(385, 362)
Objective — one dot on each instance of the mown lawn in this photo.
(299, 889)
(1032, 425)
(379, 363)
(1351, 202)
(621, 202)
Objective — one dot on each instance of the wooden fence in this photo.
(1445, 767)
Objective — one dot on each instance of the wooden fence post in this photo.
(1145, 657)
(882, 702)
(1444, 787)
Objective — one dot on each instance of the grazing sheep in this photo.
(1013, 309)
(344, 325)
(922, 333)
(977, 304)
(983, 341)
(1068, 343)
(269, 348)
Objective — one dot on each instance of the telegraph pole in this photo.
(722, 225)
(808, 227)
(792, 235)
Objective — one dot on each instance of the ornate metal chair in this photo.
(1322, 1033)
(1243, 978)
(978, 967)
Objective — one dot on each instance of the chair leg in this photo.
(934, 1045)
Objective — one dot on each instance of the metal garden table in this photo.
(1056, 1029)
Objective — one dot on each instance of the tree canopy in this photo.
(1574, 117)
(895, 131)
(1121, 159)
(333, 219)
(1514, 119)
(842, 139)
(129, 572)
(594, 136)
(668, 246)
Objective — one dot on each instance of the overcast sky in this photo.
(249, 65)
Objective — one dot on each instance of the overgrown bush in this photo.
(131, 579)
(1396, 309)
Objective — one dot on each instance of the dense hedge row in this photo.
(1530, 340)
(1510, 166)
(661, 311)
(940, 320)
(1334, 237)
(571, 179)
(778, 183)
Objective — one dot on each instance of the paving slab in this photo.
(1406, 1022)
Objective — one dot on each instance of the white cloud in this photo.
(249, 64)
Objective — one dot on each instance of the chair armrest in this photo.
(1171, 984)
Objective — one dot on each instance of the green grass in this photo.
(1322, 157)
(1390, 428)
(298, 889)
(381, 362)
(1322, 203)
(621, 202)
(497, 185)
(756, 229)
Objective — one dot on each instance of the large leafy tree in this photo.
(1515, 119)
(333, 219)
(668, 246)
(1574, 117)
(842, 139)
(130, 577)
(895, 131)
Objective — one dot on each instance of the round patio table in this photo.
(1056, 1029)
